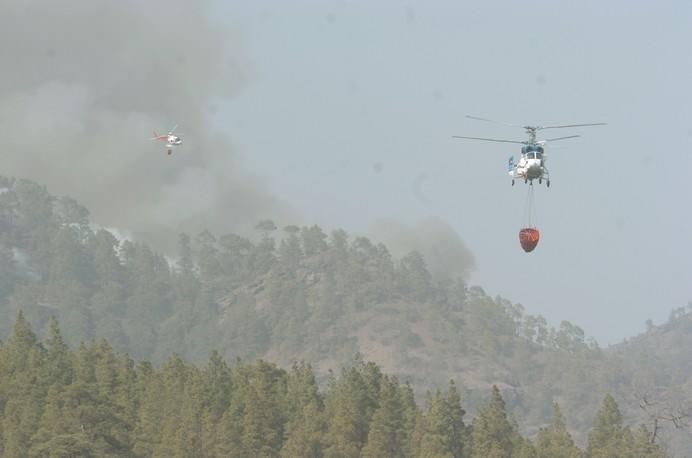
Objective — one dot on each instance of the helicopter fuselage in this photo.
(174, 140)
(529, 168)
(531, 165)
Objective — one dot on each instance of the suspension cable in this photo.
(529, 207)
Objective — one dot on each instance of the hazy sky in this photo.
(352, 104)
(341, 113)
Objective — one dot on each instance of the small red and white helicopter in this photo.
(531, 164)
(170, 138)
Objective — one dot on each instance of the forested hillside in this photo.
(55, 402)
(300, 294)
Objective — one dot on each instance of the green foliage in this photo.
(56, 402)
(387, 434)
(414, 277)
(643, 445)
(305, 435)
(609, 437)
(444, 433)
(296, 294)
(493, 434)
(350, 405)
(555, 441)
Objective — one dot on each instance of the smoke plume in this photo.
(84, 84)
(444, 251)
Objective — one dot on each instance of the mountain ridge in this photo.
(324, 299)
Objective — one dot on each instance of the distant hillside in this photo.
(661, 376)
(297, 293)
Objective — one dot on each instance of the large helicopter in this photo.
(531, 165)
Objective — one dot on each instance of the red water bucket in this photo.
(528, 238)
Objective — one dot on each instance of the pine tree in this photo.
(149, 281)
(71, 275)
(302, 390)
(456, 430)
(87, 402)
(16, 351)
(114, 423)
(264, 254)
(230, 428)
(108, 300)
(22, 390)
(59, 362)
(410, 415)
(345, 415)
(188, 437)
(342, 439)
(208, 260)
(384, 274)
(555, 441)
(59, 433)
(175, 375)
(523, 448)
(215, 399)
(493, 435)
(417, 435)
(608, 437)
(234, 258)
(314, 240)
(290, 251)
(305, 434)
(36, 223)
(415, 279)
(385, 437)
(444, 432)
(642, 447)
(127, 397)
(264, 414)
(151, 412)
(217, 381)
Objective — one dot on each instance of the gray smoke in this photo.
(83, 85)
(444, 251)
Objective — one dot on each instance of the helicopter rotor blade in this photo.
(478, 118)
(490, 139)
(572, 125)
(560, 138)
